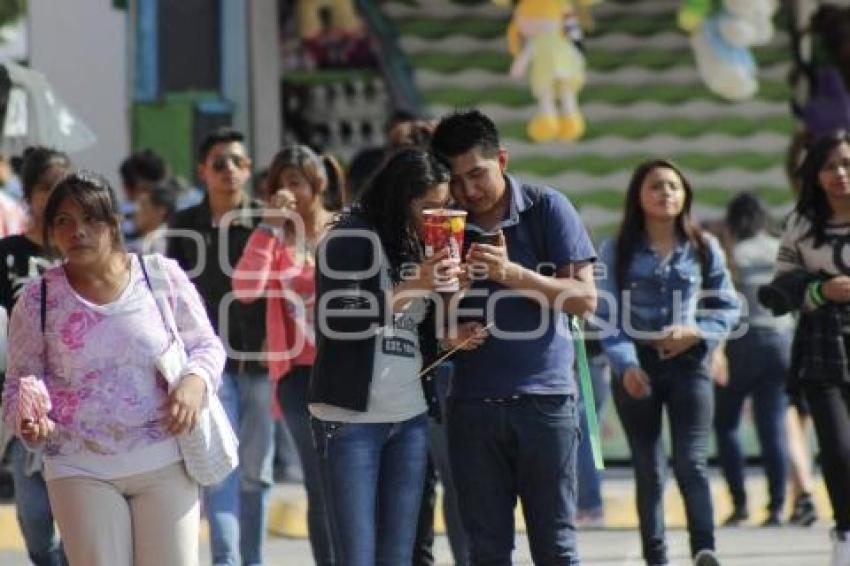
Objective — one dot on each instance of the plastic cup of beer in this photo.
(444, 229)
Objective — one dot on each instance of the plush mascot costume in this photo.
(721, 37)
(343, 16)
(555, 67)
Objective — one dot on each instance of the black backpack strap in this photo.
(43, 303)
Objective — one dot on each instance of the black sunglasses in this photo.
(220, 162)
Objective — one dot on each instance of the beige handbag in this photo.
(211, 450)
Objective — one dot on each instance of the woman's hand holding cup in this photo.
(438, 270)
(426, 277)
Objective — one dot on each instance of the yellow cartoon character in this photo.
(537, 41)
(342, 12)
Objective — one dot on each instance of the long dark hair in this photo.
(812, 203)
(633, 227)
(408, 174)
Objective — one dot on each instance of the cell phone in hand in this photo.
(489, 238)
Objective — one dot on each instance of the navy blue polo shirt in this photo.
(530, 350)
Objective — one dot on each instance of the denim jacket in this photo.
(661, 293)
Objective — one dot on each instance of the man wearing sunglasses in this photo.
(207, 240)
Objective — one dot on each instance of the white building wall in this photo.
(81, 46)
(265, 85)
(234, 64)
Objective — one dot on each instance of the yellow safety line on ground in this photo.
(288, 517)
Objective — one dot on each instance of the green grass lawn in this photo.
(598, 59)
(519, 96)
(326, 76)
(636, 129)
(488, 28)
(598, 165)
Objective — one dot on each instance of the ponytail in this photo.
(335, 196)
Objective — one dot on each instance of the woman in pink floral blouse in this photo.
(117, 484)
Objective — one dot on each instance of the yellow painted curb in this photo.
(10, 535)
(288, 516)
(11, 538)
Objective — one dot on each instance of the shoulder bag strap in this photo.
(158, 292)
(43, 303)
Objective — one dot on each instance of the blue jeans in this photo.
(33, 510)
(589, 478)
(524, 447)
(758, 366)
(292, 396)
(373, 474)
(236, 507)
(683, 385)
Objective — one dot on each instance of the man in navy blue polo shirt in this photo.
(512, 417)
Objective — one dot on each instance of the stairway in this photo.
(643, 98)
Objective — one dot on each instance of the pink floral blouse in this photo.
(97, 362)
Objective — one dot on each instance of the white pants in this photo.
(149, 519)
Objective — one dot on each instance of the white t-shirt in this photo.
(395, 393)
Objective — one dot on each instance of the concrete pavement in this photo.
(617, 544)
(747, 546)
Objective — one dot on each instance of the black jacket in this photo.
(245, 327)
(819, 352)
(349, 300)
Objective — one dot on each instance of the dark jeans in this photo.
(758, 367)
(292, 397)
(683, 385)
(526, 448)
(830, 407)
(33, 511)
(439, 470)
(373, 474)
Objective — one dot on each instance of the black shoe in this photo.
(737, 517)
(804, 513)
(773, 519)
(706, 557)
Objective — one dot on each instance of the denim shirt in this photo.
(661, 292)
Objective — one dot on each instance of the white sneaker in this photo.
(706, 557)
(840, 548)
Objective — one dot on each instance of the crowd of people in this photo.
(318, 300)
